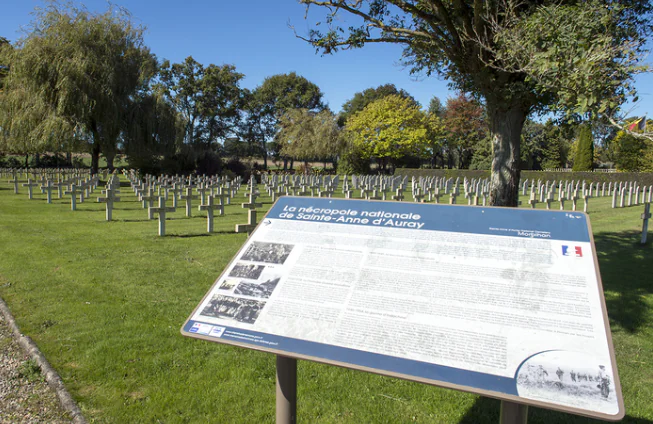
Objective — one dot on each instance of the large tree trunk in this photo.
(110, 157)
(506, 123)
(95, 156)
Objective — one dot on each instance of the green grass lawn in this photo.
(105, 302)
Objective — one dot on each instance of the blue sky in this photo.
(254, 36)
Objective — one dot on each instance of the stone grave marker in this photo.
(162, 210)
(209, 207)
(188, 198)
(73, 196)
(30, 185)
(108, 200)
(251, 223)
(47, 188)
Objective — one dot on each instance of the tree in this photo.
(435, 107)
(630, 153)
(388, 129)
(307, 135)
(518, 56)
(436, 133)
(558, 142)
(465, 126)
(367, 96)
(208, 98)
(155, 130)
(4, 68)
(533, 145)
(268, 102)
(75, 74)
(584, 158)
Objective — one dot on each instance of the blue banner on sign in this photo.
(509, 222)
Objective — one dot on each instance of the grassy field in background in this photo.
(105, 302)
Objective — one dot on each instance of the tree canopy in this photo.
(75, 74)
(519, 57)
(389, 128)
(266, 104)
(310, 135)
(208, 98)
(367, 96)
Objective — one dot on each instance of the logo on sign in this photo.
(217, 331)
(576, 251)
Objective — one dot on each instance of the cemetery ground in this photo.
(104, 301)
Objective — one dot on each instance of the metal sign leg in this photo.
(513, 413)
(286, 390)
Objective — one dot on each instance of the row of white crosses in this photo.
(63, 182)
(181, 189)
(252, 193)
(299, 185)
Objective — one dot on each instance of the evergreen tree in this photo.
(584, 158)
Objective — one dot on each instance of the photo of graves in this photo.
(262, 290)
(244, 270)
(272, 253)
(233, 308)
(568, 378)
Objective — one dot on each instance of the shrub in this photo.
(584, 159)
(238, 168)
(352, 162)
(208, 163)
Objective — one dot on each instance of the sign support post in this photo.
(286, 390)
(513, 413)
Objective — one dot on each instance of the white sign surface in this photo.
(498, 301)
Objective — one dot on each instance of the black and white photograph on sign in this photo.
(233, 308)
(272, 253)
(262, 290)
(568, 378)
(249, 271)
(228, 284)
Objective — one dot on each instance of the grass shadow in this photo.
(190, 235)
(626, 266)
(486, 411)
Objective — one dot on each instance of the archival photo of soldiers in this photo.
(233, 308)
(262, 290)
(243, 270)
(272, 253)
(578, 382)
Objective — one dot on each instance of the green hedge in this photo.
(643, 178)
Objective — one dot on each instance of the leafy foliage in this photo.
(75, 73)
(307, 135)
(265, 106)
(584, 158)
(208, 98)
(518, 56)
(465, 126)
(367, 96)
(391, 127)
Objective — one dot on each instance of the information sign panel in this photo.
(502, 302)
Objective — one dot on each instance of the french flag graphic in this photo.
(577, 252)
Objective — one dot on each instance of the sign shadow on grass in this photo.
(486, 411)
(626, 267)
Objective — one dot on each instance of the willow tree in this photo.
(75, 73)
(307, 135)
(518, 56)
